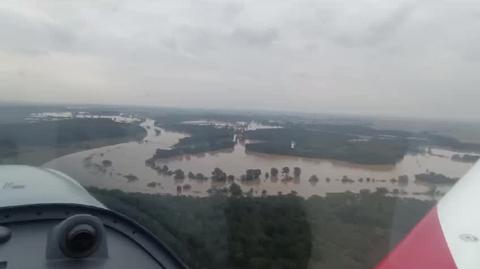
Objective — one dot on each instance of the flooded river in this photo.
(129, 159)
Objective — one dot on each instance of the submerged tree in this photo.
(286, 170)
(297, 171)
(253, 174)
(313, 179)
(219, 175)
(200, 176)
(107, 163)
(274, 172)
(235, 190)
(179, 174)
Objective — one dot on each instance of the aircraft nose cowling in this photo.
(27, 185)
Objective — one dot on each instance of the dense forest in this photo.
(37, 142)
(352, 143)
(300, 136)
(338, 231)
(415, 139)
(450, 142)
(203, 138)
(320, 144)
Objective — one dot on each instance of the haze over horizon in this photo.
(368, 57)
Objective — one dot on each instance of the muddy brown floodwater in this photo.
(129, 159)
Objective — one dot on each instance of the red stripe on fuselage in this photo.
(423, 248)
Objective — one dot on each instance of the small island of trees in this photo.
(107, 163)
(465, 158)
(435, 178)
(131, 177)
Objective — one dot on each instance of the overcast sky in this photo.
(405, 58)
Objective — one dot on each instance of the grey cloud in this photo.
(320, 56)
(191, 40)
(26, 35)
(378, 31)
(258, 38)
(231, 10)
